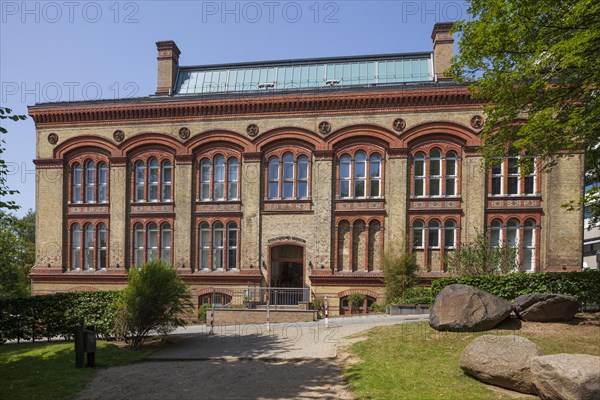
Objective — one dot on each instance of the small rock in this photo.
(567, 376)
(501, 361)
(546, 307)
(463, 308)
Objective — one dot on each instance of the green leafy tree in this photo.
(156, 299)
(399, 273)
(6, 113)
(478, 258)
(17, 254)
(535, 64)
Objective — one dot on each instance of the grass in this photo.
(47, 370)
(413, 361)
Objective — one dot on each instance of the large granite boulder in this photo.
(502, 361)
(567, 376)
(463, 308)
(546, 307)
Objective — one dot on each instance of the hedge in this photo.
(585, 286)
(54, 315)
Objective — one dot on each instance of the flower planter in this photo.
(407, 309)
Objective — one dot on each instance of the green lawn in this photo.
(37, 371)
(413, 361)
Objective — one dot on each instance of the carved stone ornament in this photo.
(477, 121)
(252, 130)
(53, 138)
(324, 127)
(184, 133)
(118, 135)
(399, 124)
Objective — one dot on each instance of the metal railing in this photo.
(258, 297)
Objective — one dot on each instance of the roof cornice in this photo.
(423, 99)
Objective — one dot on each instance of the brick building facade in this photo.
(292, 173)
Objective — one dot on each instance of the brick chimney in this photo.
(168, 63)
(443, 45)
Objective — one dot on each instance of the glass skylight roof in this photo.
(305, 74)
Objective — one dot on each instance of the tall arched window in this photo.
(232, 247)
(232, 179)
(218, 233)
(75, 247)
(90, 182)
(152, 242)
(102, 183)
(140, 179)
(139, 244)
(435, 174)
(165, 243)
(166, 180)
(219, 178)
(88, 259)
(204, 245)
(418, 231)
(528, 243)
(153, 179)
(360, 176)
(205, 180)
(218, 246)
(512, 229)
(288, 177)
(76, 182)
(102, 247)
(449, 234)
(508, 177)
(433, 237)
(496, 233)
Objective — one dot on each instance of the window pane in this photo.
(205, 180)
(302, 189)
(218, 246)
(450, 186)
(288, 190)
(360, 165)
(434, 186)
(374, 192)
(232, 177)
(345, 167)
(76, 180)
(449, 234)
(152, 242)
(375, 166)
(497, 185)
(166, 180)
(302, 168)
(139, 245)
(88, 261)
(359, 188)
(434, 234)
(529, 185)
(513, 167)
(76, 247)
(345, 189)
(418, 187)
(513, 185)
(204, 245)
(102, 246)
(153, 179)
(273, 190)
(418, 234)
(90, 181)
(450, 167)
(434, 167)
(139, 181)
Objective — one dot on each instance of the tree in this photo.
(399, 273)
(6, 113)
(17, 253)
(156, 299)
(535, 64)
(478, 258)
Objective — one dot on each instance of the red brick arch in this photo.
(362, 291)
(367, 133)
(440, 131)
(85, 143)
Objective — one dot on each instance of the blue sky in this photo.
(77, 50)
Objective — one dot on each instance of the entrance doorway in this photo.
(287, 266)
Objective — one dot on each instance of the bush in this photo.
(415, 295)
(319, 306)
(585, 286)
(53, 315)
(202, 312)
(356, 299)
(477, 258)
(399, 274)
(155, 299)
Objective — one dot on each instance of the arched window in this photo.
(153, 180)
(496, 233)
(450, 234)
(360, 177)
(88, 259)
(152, 242)
(218, 233)
(438, 170)
(165, 243)
(102, 183)
(418, 231)
(90, 182)
(508, 177)
(205, 180)
(166, 180)
(435, 172)
(204, 245)
(433, 237)
(76, 182)
(102, 247)
(232, 179)
(232, 247)
(288, 177)
(528, 243)
(219, 178)
(512, 229)
(139, 244)
(75, 247)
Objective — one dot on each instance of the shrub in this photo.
(399, 274)
(155, 299)
(477, 258)
(319, 306)
(356, 299)
(585, 286)
(202, 312)
(415, 295)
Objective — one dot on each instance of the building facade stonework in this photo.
(238, 182)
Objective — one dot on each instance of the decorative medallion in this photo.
(118, 135)
(184, 133)
(399, 124)
(53, 138)
(252, 130)
(324, 127)
(477, 121)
